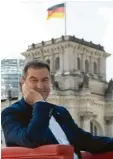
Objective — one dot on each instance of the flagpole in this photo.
(65, 29)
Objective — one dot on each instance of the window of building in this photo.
(91, 127)
(95, 130)
(86, 66)
(57, 63)
(78, 63)
(95, 68)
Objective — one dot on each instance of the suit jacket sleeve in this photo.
(35, 133)
(85, 141)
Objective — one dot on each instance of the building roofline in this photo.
(66, 38)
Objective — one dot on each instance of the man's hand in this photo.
(30, 95)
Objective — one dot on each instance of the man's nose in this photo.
(39, 85)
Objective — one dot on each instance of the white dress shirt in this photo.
(59, 133)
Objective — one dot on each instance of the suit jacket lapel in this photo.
(64, 123)
(50, 138)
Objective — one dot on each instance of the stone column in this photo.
(83, 63)
(85, 118)
(71, 59)
(75, 59)
(51, 63)
(66, 60)
(62, 60)
(91, 66)
(86, 124)
(102, 68)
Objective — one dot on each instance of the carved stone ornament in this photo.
(42, 43)
(33, 45)
(52, 40)
(62, 38)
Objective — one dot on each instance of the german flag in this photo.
(56, 11)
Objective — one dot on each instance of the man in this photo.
(32, 121)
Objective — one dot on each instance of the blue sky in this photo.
(24, 22)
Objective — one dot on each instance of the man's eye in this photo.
(34, 80)
(45, 80)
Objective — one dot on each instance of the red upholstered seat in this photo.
(107, 155)
(49, 152)
(42, 152)
(86, 155)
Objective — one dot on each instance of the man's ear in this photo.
(22, 81)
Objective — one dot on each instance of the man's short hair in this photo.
(35, 64)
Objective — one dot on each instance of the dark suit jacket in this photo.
(24, 125)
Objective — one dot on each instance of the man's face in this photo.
(39, 80)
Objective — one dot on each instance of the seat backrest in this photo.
(107, 155)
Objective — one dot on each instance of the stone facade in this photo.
(79, 83)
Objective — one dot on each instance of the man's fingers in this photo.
(26, 88)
